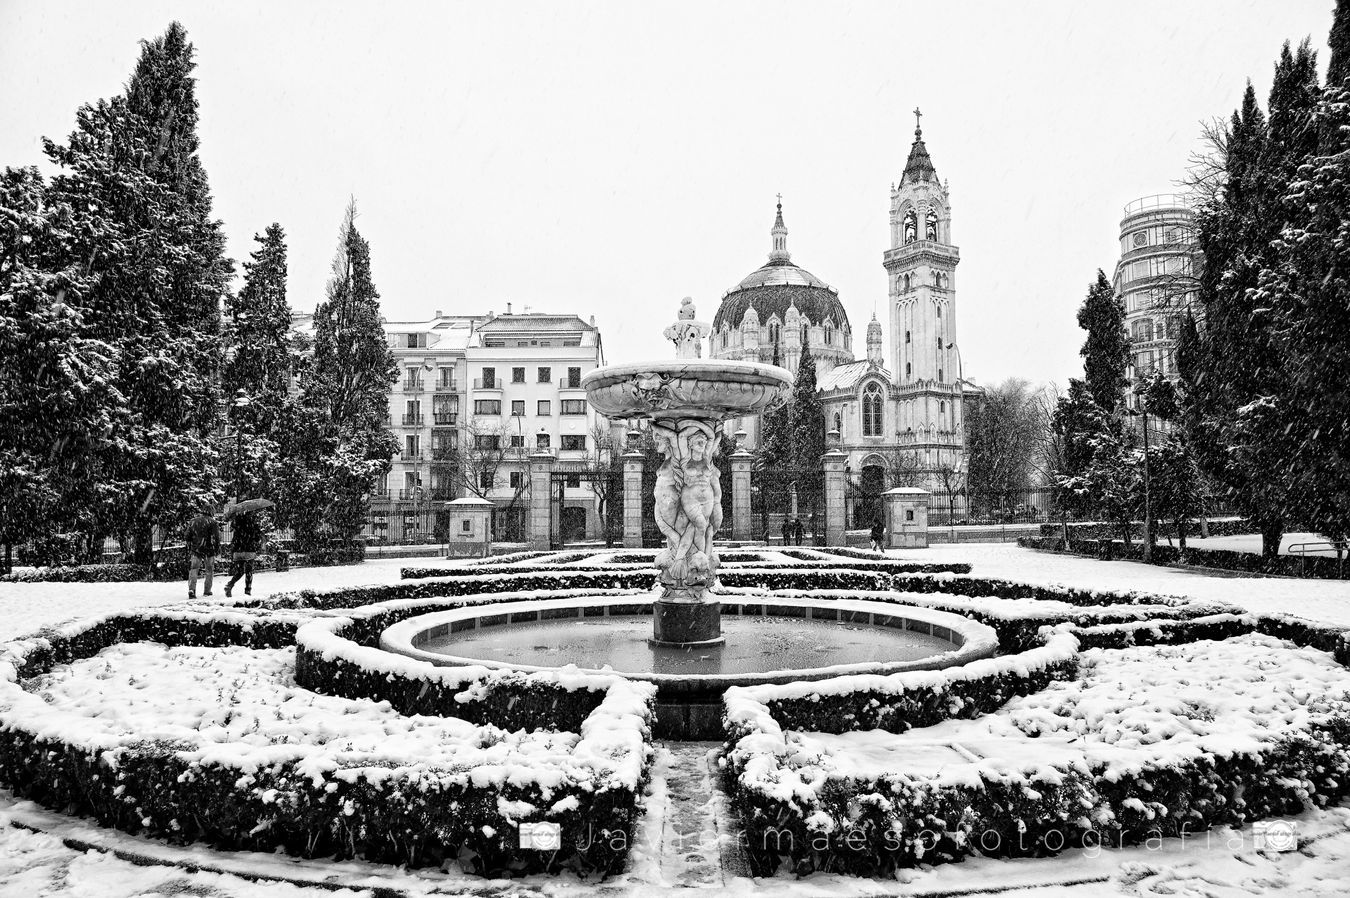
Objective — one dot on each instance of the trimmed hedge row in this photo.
(1329, 638)
(898, 702)
(1101, 530)
(413, 815)
(875, 827)
(1317, 567)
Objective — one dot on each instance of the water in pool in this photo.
(753, 645)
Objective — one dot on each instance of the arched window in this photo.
(1143, 330)
(871, 410)
(773, 332)
(911, 226)
(939, 375)
(838, 422)
(829, 335)
(906, 337)
(930, 226)
(942, 407)
(805, 334)
(726, 335)
(908, 369)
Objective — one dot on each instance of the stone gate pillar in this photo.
(742, 527)
(833, 462)
(541, 499)
(632, 499)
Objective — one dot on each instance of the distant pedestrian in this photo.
(878, 535)
(245, 544)
(798, 530)
(203, 544)
(787, 532)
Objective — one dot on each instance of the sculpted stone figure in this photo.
(688, 506)
(686, 333)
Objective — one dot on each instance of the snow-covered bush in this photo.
(339, 782)
(1143, 743)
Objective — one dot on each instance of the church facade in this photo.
(900, 416)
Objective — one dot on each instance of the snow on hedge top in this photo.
(1131, 708)
(241, 708)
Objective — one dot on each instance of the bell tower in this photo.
(921, 270)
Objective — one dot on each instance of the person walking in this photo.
(798, 530)
(878, 536)
(245, 544)
(787, 532)
(203, 543)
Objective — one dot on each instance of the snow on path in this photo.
(1327, 600)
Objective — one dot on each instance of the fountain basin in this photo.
(769, 640)
(685, 388)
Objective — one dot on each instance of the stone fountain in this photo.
(686, 400)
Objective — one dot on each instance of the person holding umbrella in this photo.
(245, 542)
(203, 542)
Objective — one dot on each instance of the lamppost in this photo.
(1142, 411)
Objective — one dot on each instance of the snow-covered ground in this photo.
(1220, 864)
(1291, 544)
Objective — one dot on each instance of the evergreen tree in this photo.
(259, 363)
(1106, 351)
(1078, 424)
(143, 235)
(1306, 286)
(1174, 484)
(336, 443)
(58, 406)
(808, 417)
(1236, 397)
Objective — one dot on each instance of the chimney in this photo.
(438, 313)
(508, 308)
(592, 321)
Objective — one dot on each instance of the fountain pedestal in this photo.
(686, 400)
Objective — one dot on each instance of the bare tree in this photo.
(604, 466)
(486, 450)
(1005, 434)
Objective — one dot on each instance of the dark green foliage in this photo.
(808, 418)
(334, 438)
(261, 355)
(142, 234)
(1079, 423)
(1106, 351)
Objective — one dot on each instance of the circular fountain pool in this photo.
(775, 641)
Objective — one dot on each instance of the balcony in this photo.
(444, 453)
(413, 386)
(480, 383)
(411, 456)
(379, 495)
(447, 388)
(446, 419)
(412, 420)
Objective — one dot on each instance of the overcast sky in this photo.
(609, 158)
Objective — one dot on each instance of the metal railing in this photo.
(446, 419)
(414, 420)
(412, 456)
(1157, 201)
(413, 386)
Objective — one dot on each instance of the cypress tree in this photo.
(1106, 350)
(257, 374)
(808, 417)
(336, 443)
(143, 233)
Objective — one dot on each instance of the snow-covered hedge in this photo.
(1329, 638)
(897, 702)
(1017, 616)
(314, 791)
(614, 565)
(1318, 567)
(1148, 741)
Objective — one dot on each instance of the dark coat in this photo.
(203, 536)
(878, 531)
(247, 535)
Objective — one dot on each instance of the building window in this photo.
(485, 480)
(908, 370)
(489, 378)
(517, 441)
(909, 514)
(411, 446)
(906, 338)
(1143, 330)
(517, 375)
(942, 406)
(939, 375)
(838, 423)
(445, 379)
(773, 332)
(517, 481)
(829, 335)
(545, 375)
(805, 335)
(574, 406)
(489, 442)
(467, 526)
(517, 408)
(574, 442)
(726, 335)
(543, 408)
(417, 341)
(573, 378)
(871, 410)
(487, 406)
(541, 441)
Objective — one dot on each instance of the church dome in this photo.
(779, 285)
